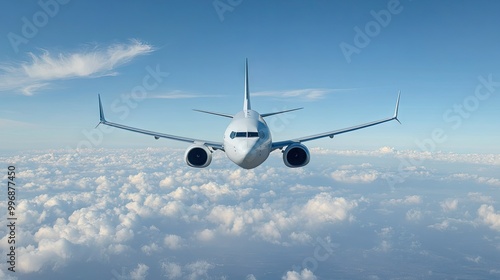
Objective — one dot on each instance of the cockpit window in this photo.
(243, 134)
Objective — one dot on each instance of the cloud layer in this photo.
(143, 214)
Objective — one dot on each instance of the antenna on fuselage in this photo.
(246, 102)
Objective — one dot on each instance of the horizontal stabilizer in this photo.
(214, 113)
(280, 112)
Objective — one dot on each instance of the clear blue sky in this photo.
(55, 59)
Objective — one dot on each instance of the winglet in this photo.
(246, 102)
(101, 112)
(397, 108)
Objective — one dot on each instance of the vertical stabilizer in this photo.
(246, 102)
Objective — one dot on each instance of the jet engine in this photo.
(198, 156)
(296, 155)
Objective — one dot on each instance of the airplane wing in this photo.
(281, 144)
(157, 135)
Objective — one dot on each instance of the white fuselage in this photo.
(247, 140)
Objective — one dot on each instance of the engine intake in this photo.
(198, 156)
(296, 155)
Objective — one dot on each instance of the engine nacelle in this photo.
(296, 155)
(198, 156)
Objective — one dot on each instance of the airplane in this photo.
(247, 140)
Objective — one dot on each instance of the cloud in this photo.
(445, 224)
(194, 270)
(44, 69)
(478, 197)
(171, 270)
(415, 157)
(300, 237)
(115, 207)
(413, 215)
(488, 216)
(449, 205)
(408, 200)
(305, 94)
(305, 274)
(205, 235)
(198, 269)
(140, 272)
(180, 94)
(473, 177)
(355, 174)
(325, 208)
(173, 242)
(54, 253)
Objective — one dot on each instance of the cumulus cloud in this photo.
(46, 68)
(446, 224)
(354, 174)
(325, 208)
(488, 216)
(173, 241)
(449, 205)
(478, 197)
(233, 220)
(250, 277)
(140, 272)
(413, 215)
(53, 253)
(205, 235)
(407, 200)
(194, 270)
(300, 237)
(305, 274)
(171, 270)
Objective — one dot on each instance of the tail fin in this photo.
(246, 102)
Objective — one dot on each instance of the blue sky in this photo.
(432, 52)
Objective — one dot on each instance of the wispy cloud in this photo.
(7, 123)
(45, 68)
(179, 94)
(304, 94)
